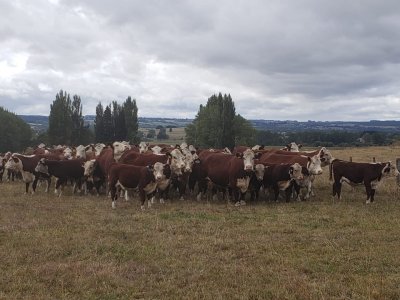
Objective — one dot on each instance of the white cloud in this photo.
(278, 59)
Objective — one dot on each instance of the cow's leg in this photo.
(368, 189)
(34, 184)
(288, 193)
(114, 196)
(48, 182)
(296, 189)
(372, 195)
(336, 189)
(27, 187)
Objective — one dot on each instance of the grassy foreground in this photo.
(77, 247)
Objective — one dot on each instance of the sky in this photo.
(279, 60)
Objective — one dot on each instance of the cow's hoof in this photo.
(237, 203)
(182, 199)
(113, 205)
(152, 200)
(368, 201)
(142, 207)
(198, 197)
(242, 202)
(162, 201)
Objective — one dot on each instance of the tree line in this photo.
(216, 125)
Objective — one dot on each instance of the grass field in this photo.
(77, 247)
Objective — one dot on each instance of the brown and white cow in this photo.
(228, 171)
(281, 177)
(26, 164)
(354, 173)
(144, 178)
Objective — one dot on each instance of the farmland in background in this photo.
(76, 246)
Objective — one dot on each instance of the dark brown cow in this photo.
(63, 170)
(353, 173)
(323, 153)
(145, 179)
(2, 164)
(228, 171)
(282, 177)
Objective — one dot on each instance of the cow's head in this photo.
(156, 149)
(88, 167)
(13, 163)
(68, 153)
(143, 147)
(390, 169)
(189, 159)
(293, 147)
(314, 165)
(259, 171)
(42, 167)
(98, 148)
(183, 146)
(295, 172)
(248, 160)
(160, 171)
(119, 148)
(326, 156)
(80, 152)
(176, 161)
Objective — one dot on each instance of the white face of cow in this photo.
(41, 167)
(80, 151)
(88, 167)
(156, 150)
(183, 146)
(189, 159)
(13, 163)
(143, 147)
(177, 161)
(259, 171)
(295, 172)
(325, 156)
(119, 148)
(314, 165)
(248, 160)
(390, 170)
(293, 147)
(158, 171)
(98, 148)
(67, 153)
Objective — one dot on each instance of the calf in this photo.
(353, 173)
(146, 179)
(63, 170)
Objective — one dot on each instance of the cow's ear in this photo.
(150, 167)
(299, 146)
(239, 155)
(15, 159)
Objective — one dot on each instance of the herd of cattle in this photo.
(120, 168)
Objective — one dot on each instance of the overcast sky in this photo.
(297, 60)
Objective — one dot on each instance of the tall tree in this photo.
(77, 121)
(99, 123)
(217, 125)
(60, 120)
(131, 120)
(15, 134)
(108, 129)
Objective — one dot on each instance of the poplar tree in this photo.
(60, 119)
(99, 123)
(131, 120)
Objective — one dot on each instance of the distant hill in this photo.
(41, 123)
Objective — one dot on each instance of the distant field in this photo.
(176, 136)
(77, 247)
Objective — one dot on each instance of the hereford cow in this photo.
(146, 179)
(63, 170)
(281, 178)
(26, 164)
(228, 171)
(354, 173)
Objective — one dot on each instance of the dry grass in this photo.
(77, 247)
